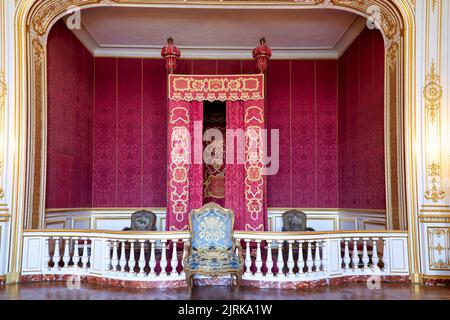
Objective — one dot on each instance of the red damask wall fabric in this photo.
(130, 133)
(70, 72)
(302, 104)
(361, 128)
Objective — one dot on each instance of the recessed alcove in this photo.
(107, 125)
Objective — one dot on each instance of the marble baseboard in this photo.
(363, 278)
(262, 284)
(106, 281)
(305, 284)
(436, 281)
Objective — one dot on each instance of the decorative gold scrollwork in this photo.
(434, 192)
(47, 12)
(432, 92)
(392, 55)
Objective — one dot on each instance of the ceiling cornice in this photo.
(152, 52)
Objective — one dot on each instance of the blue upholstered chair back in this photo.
(212, 228)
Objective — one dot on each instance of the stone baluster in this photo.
(174, 260)
(385, 257)
(163, 262)
(375, 259)
(76, 253)
(115, 259)
(85, 257)
(168, 258)
(141, 262)
(346, 255)
(66, 257)
(152, 262)
(47, 254)
(324, 256)
(123, 259)
(355, 257)
(317, 260)
(365, 256)
(258, 261)
(269, 259)
(108, 253)
(131, 260)
(301, 260)
(182, 256)
(280, 260)
(248, 260)
(290, 261)
(56, 254)
(309, 259)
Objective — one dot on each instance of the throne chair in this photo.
(212, 247)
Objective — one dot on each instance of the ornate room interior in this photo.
(109, 107)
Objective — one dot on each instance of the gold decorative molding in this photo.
(439, 248)
(48, 10)
(432, 92)
(39, 63)
(435, 218)
(433, 4)
(434, 191)
(392, 55)
(386, 19)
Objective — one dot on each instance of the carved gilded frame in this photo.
(34, 18)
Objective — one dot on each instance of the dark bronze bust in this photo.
(142, 221)
(295, 220)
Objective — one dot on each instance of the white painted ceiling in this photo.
(217, 33)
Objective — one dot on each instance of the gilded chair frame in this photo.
(235, 245)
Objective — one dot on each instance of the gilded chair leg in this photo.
(236, 287)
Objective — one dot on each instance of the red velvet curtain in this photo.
(184, 168)
(245, 186)
(234, 172)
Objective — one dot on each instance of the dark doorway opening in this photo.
(214, 126)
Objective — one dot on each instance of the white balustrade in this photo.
(290, 262)
(76, 253)
(141, 262)
(269, 260)
(56, 255)
(66, 256)
(163, 261)
(324, 256)
(375, 259)
(317, 260)
(46, 253)
(109, 248)
(131, 260)
(355, 256)
(85, 257)
(122, 255)
(309, 260)
(301, 260)
(385, 257)
(258, 261)
(365, 256)
(346, 255)
(152, 263)
(248, 260)
(280, 260)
